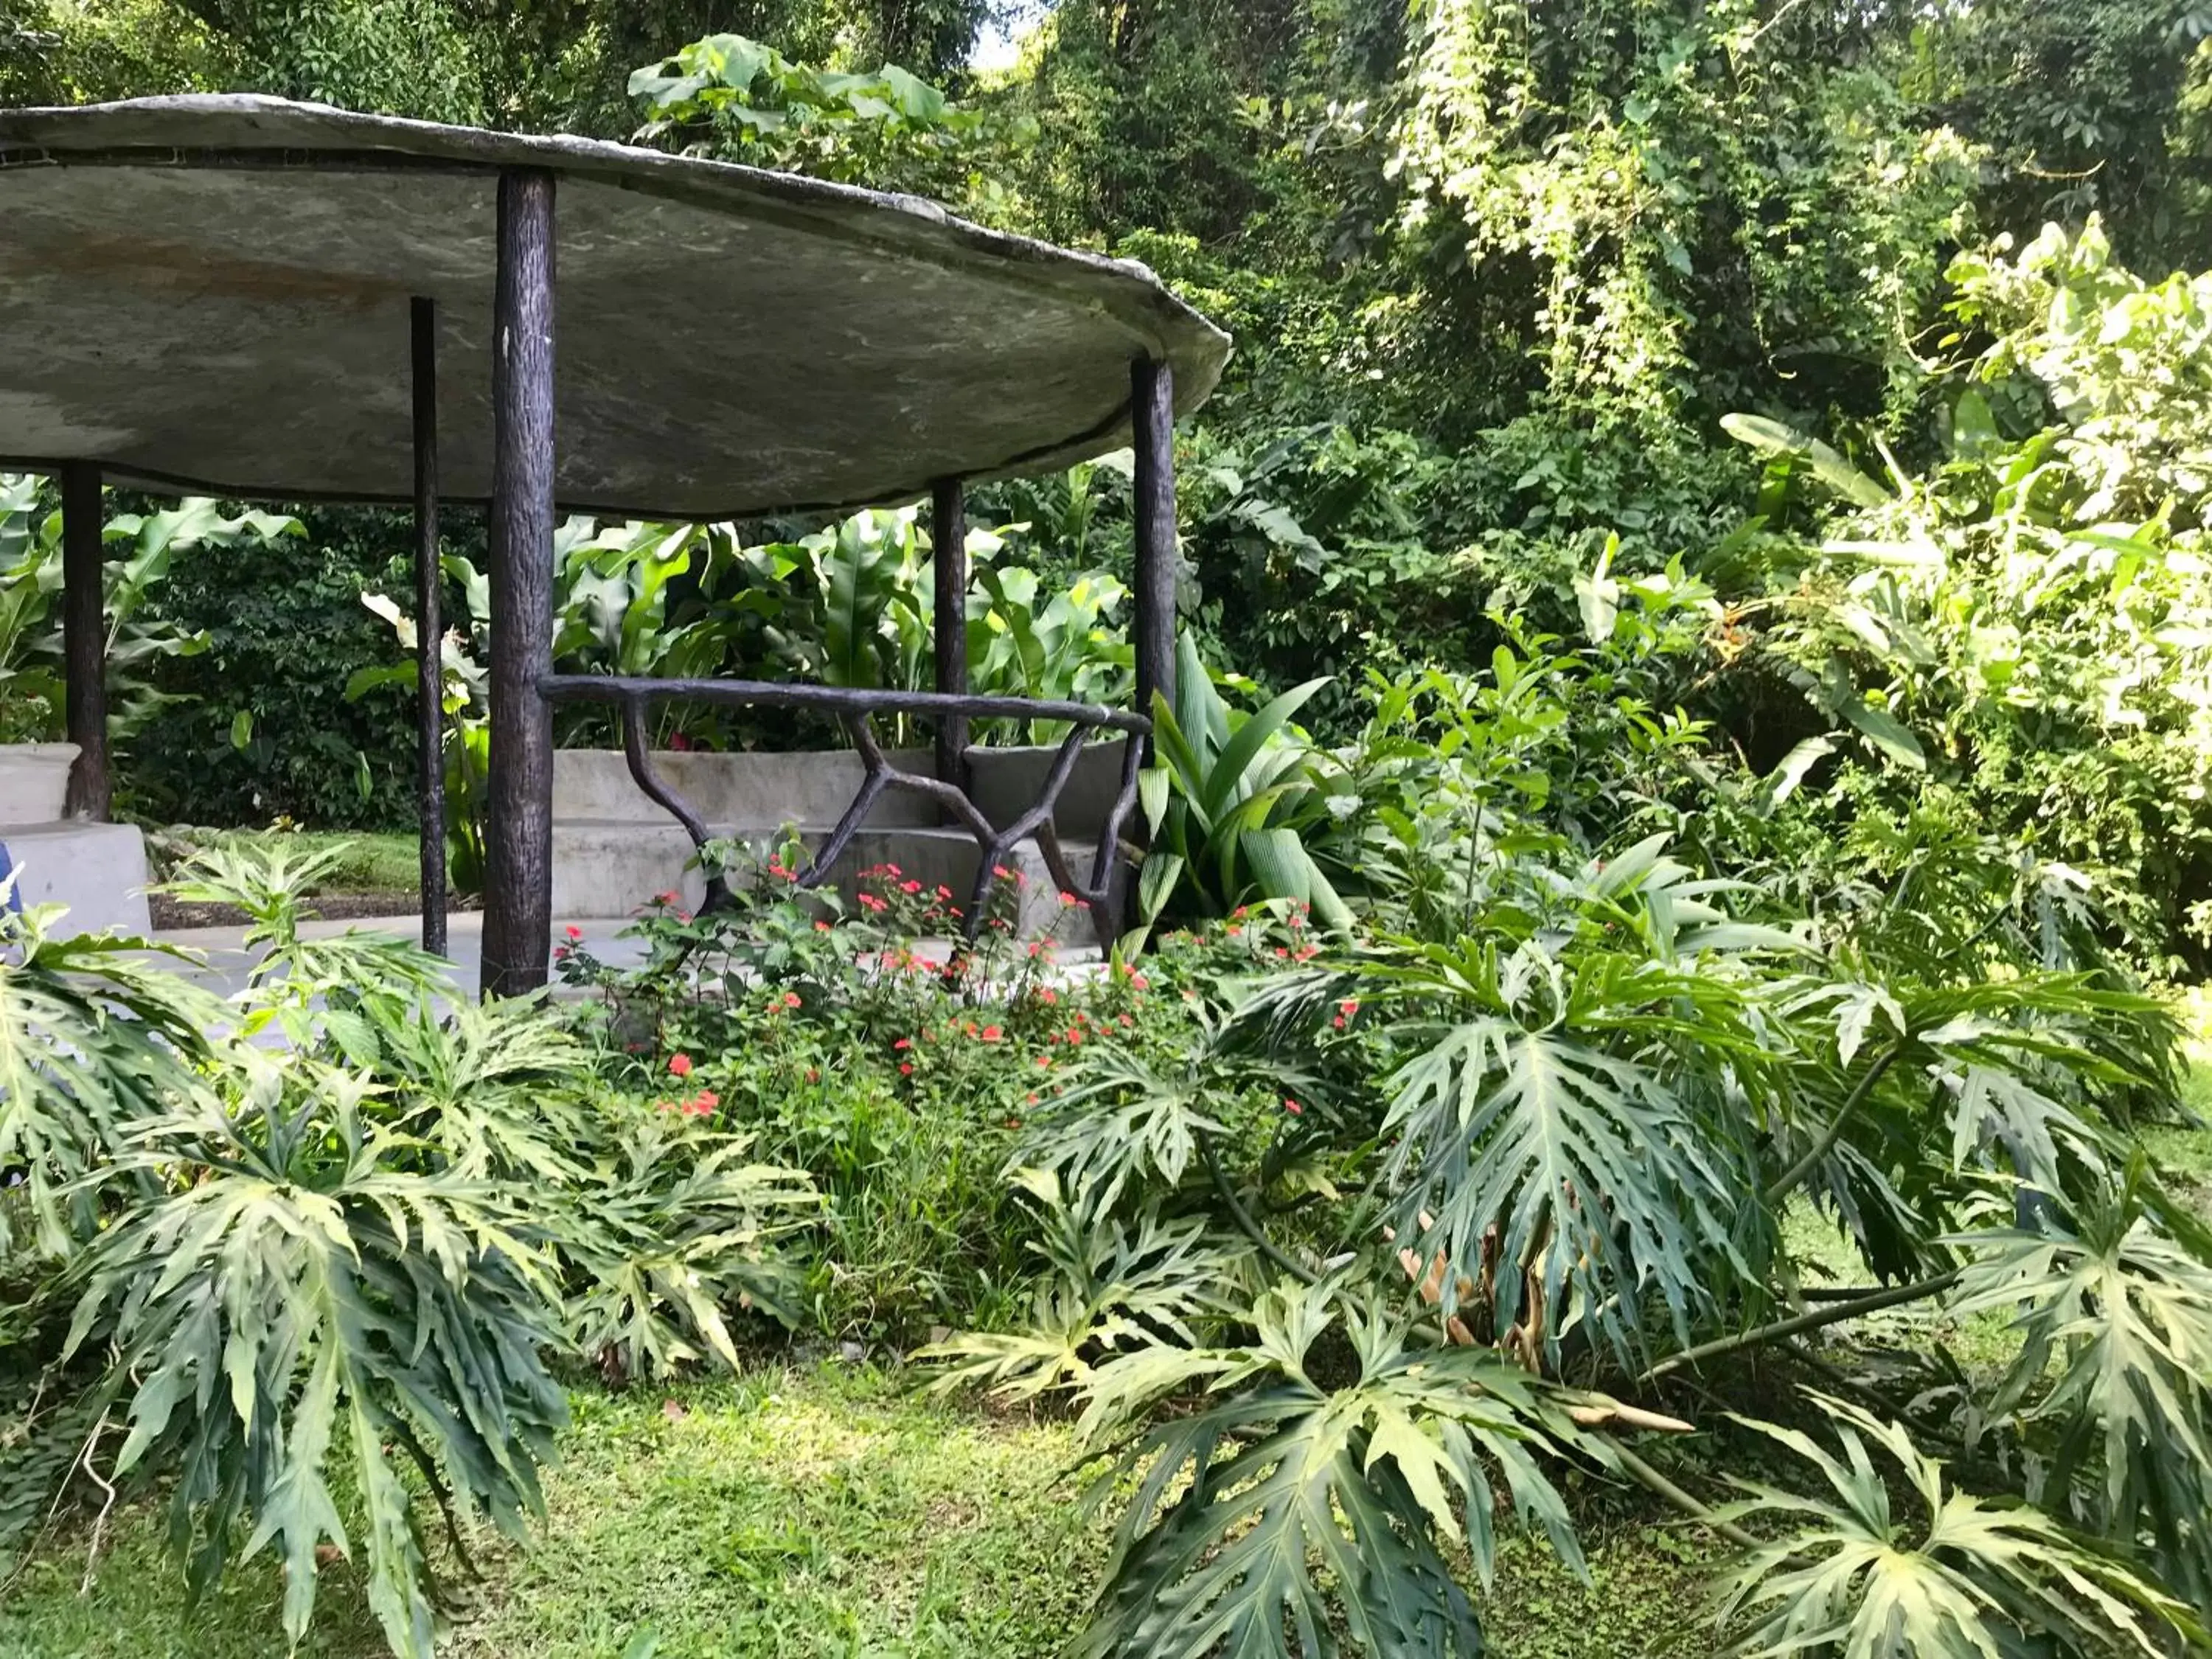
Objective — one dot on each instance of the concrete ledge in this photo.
(612, 867)
(756, 790)
(97, 870)
(763, 791)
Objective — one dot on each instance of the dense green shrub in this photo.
(261, 728)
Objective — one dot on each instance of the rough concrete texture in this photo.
(213, 292)
(611, 868)
(97, 870)
(1004, 783)
(815, 786)
(761, 791)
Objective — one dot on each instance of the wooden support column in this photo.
(948, 535)
(1151, 419)
(517, 931)
(84, 642)
(430, 628)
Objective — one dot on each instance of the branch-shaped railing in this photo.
(1103, 892)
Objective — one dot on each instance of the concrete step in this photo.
(609, 868)
(97, 870)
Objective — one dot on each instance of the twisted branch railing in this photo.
(856, 710)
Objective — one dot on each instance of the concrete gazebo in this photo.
(252, 297)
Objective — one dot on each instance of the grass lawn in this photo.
(374, 861)
(797, 1514)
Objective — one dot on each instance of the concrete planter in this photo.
(613, 848)
(34, 781)
(812, 788)
(95, 871)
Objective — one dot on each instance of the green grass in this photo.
(374, 861)
(790, 1515)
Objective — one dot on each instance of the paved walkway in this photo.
(228, 962)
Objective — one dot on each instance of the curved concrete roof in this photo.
(212, 292)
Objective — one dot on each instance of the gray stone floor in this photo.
(228, 962)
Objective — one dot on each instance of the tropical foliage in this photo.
(1683, 798)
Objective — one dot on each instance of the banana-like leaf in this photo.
(1771, 437)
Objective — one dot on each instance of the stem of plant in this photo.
(1649, 1478)
(1243, 1217)
(1834, 1313)
(1804, 1166)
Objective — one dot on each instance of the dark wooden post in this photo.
(1152, 420)
(517, 931)
(430, 629)
(84, 642)
(948, 535)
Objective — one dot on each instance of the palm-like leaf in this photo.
(1110, 1287)
(489, 1086)
(678, 1232)
(1236, 1504)
(1973, 1578)
(298, 1294)
(2124, 1313)
(310, 988)
(93, 1037)
(1123, 1121)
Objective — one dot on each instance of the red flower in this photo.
(992, 1034)
(791, 998)
(814, 1074)
(821, 926)
(1047, 996)
(1068, 898)
(680, 1066)
(903, 1043)
(870, 901)
(668, 897)
(910, 887)
(1292, 1106)
(1139, 983)
(906, 1068)
(575, 932)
